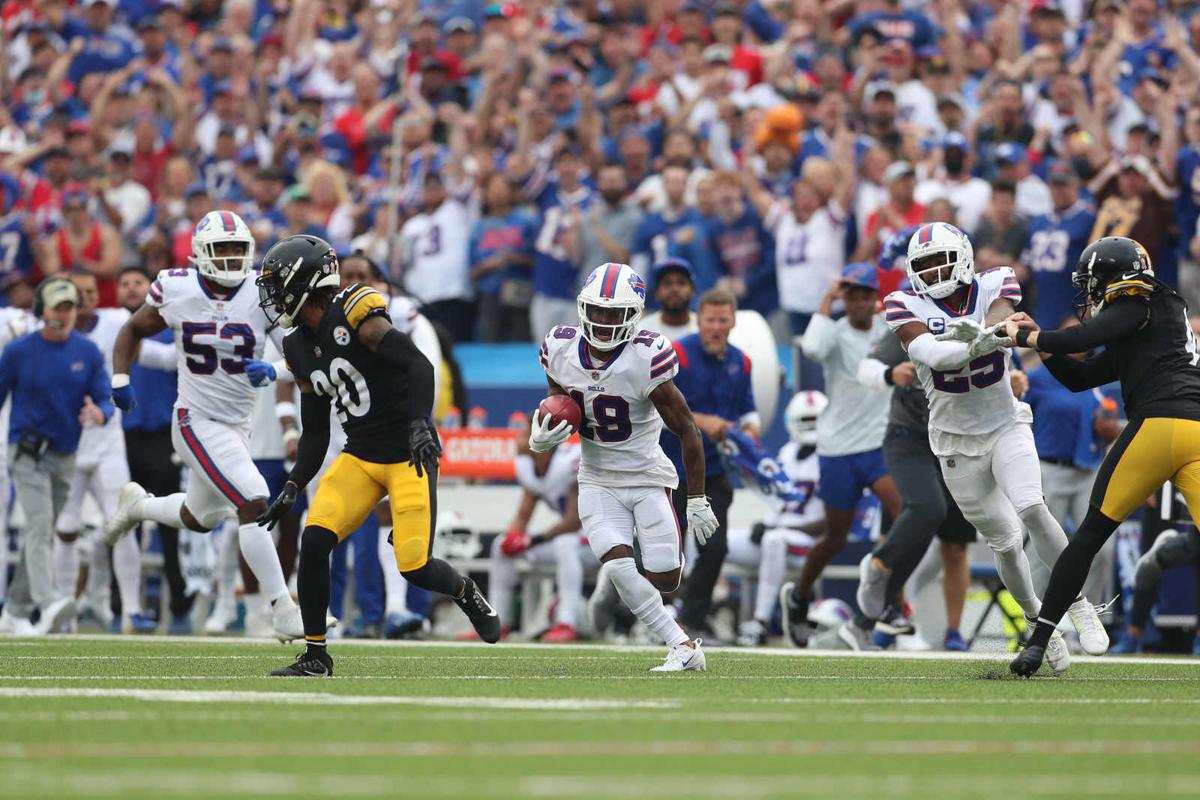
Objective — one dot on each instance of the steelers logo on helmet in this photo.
(610, 305)
(223, 248)
(940, 259)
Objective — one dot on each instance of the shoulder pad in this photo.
(1128, 286)
(896, 311)
(359, 302)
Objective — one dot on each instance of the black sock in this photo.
(1070, 572)
(438, 576)
(312, 580)
(315, 648)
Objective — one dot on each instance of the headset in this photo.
(39, 301)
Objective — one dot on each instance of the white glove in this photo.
(961, 330)
(701, 520)
(543, 438)
(988, 342)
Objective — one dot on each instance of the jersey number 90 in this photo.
(346, 387)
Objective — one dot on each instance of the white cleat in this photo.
(1057, 654)
(683, 658)
(56, 615)
(16, 626)
(1092, 636)
(131, 497)
(220, 618)
(287, 622)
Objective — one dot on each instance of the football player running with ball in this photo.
(621, 378)
(1148, 346)
(978, 430)
(344, 352)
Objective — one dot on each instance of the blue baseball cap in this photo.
(861, 274)
(671, 265)
(954, 139)
(1011, 153)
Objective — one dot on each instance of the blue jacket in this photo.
(48, 381)
(711, 385)
(155, 390)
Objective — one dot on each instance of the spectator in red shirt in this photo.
(900, 211)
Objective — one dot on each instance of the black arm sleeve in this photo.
(314, 438)
(399, 351)
(1117, 321)
(1081, 375)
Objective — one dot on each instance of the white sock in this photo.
(66, 566)
(227, 568)
(258, 548)
(772, 568)
(394, 584)
(1047, 535)
(645, 602)
(163, 510)
(502, 579)
(1013, 567)
(569, 575)
(127, 564)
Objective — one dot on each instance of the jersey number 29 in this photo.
(345, 386)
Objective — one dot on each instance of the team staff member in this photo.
(345, 354)
(59, 385)
(1149, 347)
(714, 377)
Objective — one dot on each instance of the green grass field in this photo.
(161, 718)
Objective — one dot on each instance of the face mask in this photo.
(34, 97)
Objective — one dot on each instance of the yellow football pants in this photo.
(350, 490)
(1147, 454)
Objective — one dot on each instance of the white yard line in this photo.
(708, 676)
(328, 699)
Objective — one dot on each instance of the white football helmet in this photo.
(940, 259)
(830, 613)
(801, 415)
(455, 537)
(222, 227)
(614, 287)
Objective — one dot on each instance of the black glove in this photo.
(756, 532)
(282, 505)
(424, 449)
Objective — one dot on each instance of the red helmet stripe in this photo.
(608, 286)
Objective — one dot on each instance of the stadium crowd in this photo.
(488, 156)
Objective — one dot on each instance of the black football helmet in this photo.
(1104, 261)
(291, 270)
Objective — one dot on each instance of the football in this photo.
(560, 408)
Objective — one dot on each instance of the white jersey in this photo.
(621, 426)
(967, 406)
(809, 256)
(806, 474)
(213, 336)
(435, 248)
(558, 482)
(653, 322)
(96, 441)
(408, 319)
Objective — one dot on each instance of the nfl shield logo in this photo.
(595, 376)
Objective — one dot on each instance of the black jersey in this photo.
(1148, 346)
(367, 392)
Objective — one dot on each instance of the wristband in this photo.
(1022, 338)
(120, 380)
(285, 409)
(536, 539)
(887, 376)
(292, 434)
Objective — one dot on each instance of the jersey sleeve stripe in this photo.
(661, 357)
(355, 297)
(664, 368)
(894, 315)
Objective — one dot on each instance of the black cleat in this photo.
(307, 665)
(894, 623)
(795, 616)
(480, 612)
(1027, 662)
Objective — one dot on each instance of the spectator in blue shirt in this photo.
(99, 46)
(1072, 432)
(500, 255)
(58, 383)
(1054, 243)
(714, 377)
(653, 239)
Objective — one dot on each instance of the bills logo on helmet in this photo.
(638, 285)
(590, 279)
(202, 224)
